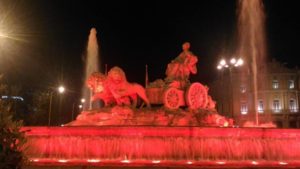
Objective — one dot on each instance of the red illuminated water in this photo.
(163, 146)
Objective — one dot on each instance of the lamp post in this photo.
(50, 106)
(230, 64)
(73, 110)
(60, 89)
(82, 101)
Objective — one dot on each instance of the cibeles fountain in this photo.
(170, 122)
(174, 101)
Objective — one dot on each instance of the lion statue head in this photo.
(116, 75)
(96, 82)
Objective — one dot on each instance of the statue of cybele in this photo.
(180, 68)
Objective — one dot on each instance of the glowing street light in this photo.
(233, 62)
(80, 106)
(223, 62)
(240, 62)
(60, 89)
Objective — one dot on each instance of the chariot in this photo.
(193, 96)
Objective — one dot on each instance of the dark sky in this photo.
(50, 37)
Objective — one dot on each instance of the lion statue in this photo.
(120, 88)
(97, 83)
(114, 88)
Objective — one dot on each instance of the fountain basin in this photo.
(162, 146)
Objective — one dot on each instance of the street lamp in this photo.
(82, 101)
(60, 89)
(233, 62)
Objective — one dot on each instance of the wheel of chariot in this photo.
(196, 96)
(171, 98)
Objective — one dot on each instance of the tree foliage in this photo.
(12, 139)
(38, 109)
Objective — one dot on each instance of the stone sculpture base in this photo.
(123, 115)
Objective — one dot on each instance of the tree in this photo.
(12, 139)
(38, 108)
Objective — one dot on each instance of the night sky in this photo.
(50, 37)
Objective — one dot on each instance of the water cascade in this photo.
(163, 146)
(252, 40)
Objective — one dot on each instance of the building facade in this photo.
(277, 94)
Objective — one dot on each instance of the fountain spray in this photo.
(252, 40)
(92, 64)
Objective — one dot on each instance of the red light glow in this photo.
(189, 162)
(162, 146)
(156, 161)
(254, 162)
(62, 160)
(35, 160)
(125, 161)
(283, 163)
(93, 160)
(221, 162)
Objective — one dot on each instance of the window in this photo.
(292, 105)
(275, 84)
(276, 106)
(260, 106)
(244, 108)
(291, 84)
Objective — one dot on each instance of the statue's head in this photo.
(116, 75)
(96, 82)
(186, 46)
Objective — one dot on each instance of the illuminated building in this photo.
(278, 95)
